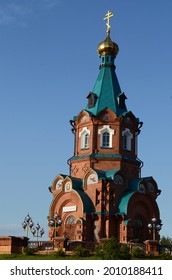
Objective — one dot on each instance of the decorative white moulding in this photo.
(69, 209)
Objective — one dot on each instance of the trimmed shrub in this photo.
(29, 251)
(60, 253)
(110, 249)
(166, 256)
(81, 252)
(124, 253)
(137, 252)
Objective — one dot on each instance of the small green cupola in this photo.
(107, 92)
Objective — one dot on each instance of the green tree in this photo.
(166, 241)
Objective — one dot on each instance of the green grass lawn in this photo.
(44, 257)
(30, 257)
(67, 257)
(80, 253)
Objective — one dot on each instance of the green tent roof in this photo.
(107, 91)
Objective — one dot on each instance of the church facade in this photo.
(104, 194)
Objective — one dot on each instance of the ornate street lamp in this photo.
(154, 226)
(55, 222)
(37, 232)
(29, 224)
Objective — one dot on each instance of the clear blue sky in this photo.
(48, 64)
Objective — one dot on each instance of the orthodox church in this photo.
(104, 194)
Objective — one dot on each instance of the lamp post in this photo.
(55, 222)
(29, 224)
(37, 232)
(154, 226)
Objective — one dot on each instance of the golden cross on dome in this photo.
(108, 16)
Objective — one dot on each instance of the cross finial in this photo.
(108, 16)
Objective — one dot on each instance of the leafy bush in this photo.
(81, 252)
(60, 253)
(166, 256)
(29, 251)
(110, 249)
(137, 252)
(124, 252)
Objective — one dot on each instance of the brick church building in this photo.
(104, 194)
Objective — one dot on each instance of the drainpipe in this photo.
(74, 132)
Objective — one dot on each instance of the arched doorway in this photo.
(70, 228)
(138, 229)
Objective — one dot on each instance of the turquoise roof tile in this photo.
(107, 90)
(126, 222)
(125, 198)
(101, 174)
(106, 174)
(104, 156)
(123, 203)
(110, 173)
(88, 206)
(133, 184)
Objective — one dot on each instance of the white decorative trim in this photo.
(69, 209)
(106, 128)
(82, 135)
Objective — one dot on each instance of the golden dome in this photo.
(108, 47)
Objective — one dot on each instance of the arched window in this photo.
(105, 139)
(86, 141)
(70, 220)
(127, 136)
(125, 142)
(106, 134)
(91, 99)
(85, 138)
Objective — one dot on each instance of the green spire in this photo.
(107, 92)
